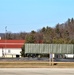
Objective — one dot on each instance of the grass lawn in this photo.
(36, 64)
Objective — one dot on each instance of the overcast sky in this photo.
(28, 15)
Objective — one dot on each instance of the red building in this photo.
(11, 48)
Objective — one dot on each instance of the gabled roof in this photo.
(11, 43)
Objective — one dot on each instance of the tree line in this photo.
(60, 34)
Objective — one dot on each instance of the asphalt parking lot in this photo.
(36, 71)
(37, 59)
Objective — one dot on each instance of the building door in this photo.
(17, 56)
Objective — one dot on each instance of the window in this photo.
(8, 51)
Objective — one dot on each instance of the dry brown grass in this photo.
(36, 65)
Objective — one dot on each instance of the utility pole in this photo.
(5, 39)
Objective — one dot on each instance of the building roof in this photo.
(11, 43)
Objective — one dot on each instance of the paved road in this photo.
(36, 71)
(36, 59)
